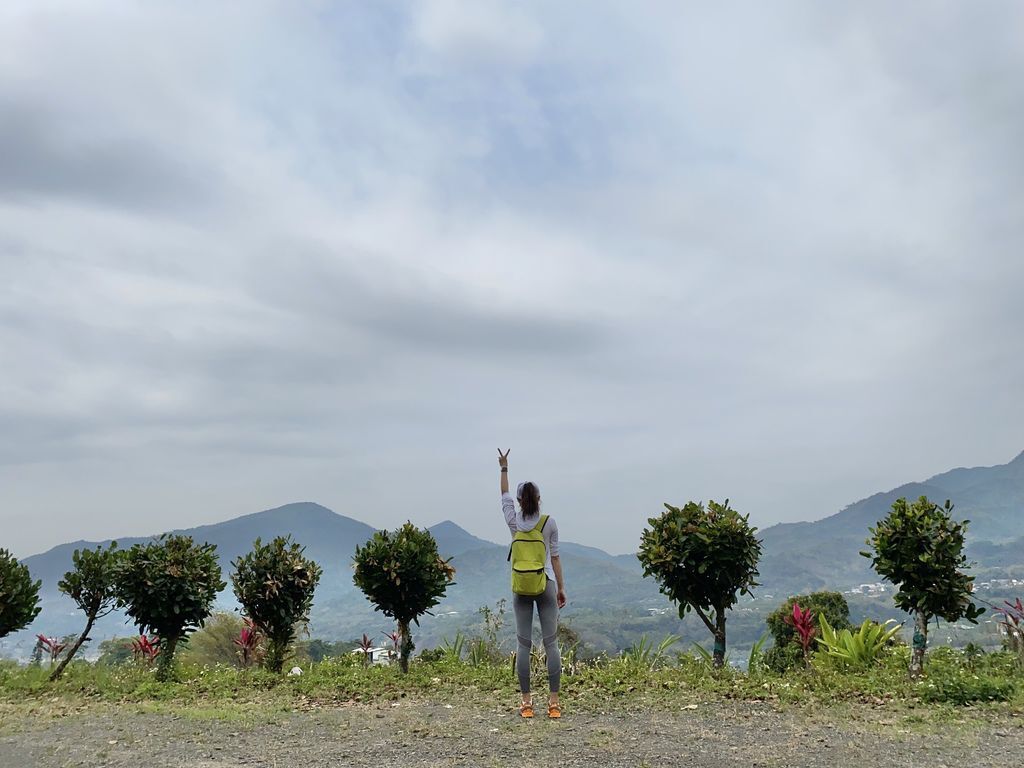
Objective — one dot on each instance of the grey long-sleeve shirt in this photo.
(514, 518)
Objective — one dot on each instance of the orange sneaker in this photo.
(554, 711)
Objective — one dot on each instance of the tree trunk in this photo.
(165, 659)
(920, 644)
(405, 649)
(719, 653)
(276, 652)
(74, 649)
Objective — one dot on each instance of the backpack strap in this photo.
(539, 527)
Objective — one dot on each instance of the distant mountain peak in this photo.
(448, 526)
(453, 539)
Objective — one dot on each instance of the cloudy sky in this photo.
(254, 253)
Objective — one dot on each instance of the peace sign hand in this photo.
(503, 458)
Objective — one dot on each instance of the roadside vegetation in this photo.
(703, 557)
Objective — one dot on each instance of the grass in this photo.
(955, 687)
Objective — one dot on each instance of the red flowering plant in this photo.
(395, 639)
(1012, 624)
(146, 648)
(366, 645)
(803, 624)
(53, 646)
(250, 644)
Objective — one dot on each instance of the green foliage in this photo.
(702, 560)
(964, 689)
(19, 595)
(403, 575)
(832, 604)
(114, 651)
(644, 654)
(317, 649)
(781, 658)
(706, 657)
(274, 583)
(168, 587)
(920, 548)
(92, 584)
(215, 642)
(858, 649)
(452, 650)
(593, 686)
(755, 660)
(485, 648)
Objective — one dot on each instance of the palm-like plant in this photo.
(859, 649)
(645, 654)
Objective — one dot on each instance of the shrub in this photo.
(702, 559)
(857, 650)
(832, 604)
(644, 654)
(92, 584)
(168, 587)
(962, 689)
(403, 575)
(920, 548)
(780, 658)
(115, 651)
(216, 642)
(274, 583)
(19, 595)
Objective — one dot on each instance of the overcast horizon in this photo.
(259, 253)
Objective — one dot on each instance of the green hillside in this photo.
(611, 602)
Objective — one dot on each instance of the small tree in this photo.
(19, 595)
(168, 587)
(920, 548)
(403, 575)
(92, 584)
(274, 584)
(702, 559)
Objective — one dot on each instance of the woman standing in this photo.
(529, 528)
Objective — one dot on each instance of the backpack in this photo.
(530, 551)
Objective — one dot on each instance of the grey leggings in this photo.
(547, 608)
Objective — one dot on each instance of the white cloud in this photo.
(486, 34)
(676, 250)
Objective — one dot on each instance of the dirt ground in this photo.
(425, 733)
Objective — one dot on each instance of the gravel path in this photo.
(719, 734)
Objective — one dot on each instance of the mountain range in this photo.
(797, 557)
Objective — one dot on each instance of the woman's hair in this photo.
(529, 499)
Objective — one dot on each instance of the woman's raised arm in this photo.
(503, 463)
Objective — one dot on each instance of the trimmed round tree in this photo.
(274, 584)
(92, 584)
(403, 575)
(920, 549)
(168, 587)
(702, 559)
(19, 595)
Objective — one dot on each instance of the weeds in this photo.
(951, 678)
